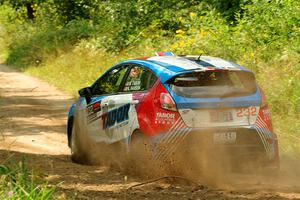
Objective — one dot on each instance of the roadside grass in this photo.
(288, 131)
(3, 47)
(17, 181)
(1, 120)
(3, 52)
(73, 70)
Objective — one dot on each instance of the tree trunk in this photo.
(30, 11)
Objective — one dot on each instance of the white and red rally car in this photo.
(170, 100)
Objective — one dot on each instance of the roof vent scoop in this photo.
(164, 54)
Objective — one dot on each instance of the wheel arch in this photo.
(70, 123)
(135, 134)
(69, 129)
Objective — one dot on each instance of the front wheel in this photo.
(77, 151)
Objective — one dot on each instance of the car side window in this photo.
(139, 79)
(110, 82)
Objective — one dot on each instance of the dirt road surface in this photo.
(33, 123)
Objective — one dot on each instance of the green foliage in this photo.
(229, 8)
(35, 45)
(18, 182)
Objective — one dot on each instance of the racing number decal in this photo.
(246, 112)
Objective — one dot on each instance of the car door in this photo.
(126, 102)
(100, 114)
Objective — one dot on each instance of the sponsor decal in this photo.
(115, 116)
(92, 117)
(165, 118)
(111, 132)
(92, 111)
(165, 115)
(96, 107)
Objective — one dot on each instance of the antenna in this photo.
(198, 59)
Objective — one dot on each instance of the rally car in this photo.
(174, 100)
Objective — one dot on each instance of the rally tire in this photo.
(137, 145)
(78, 154)
(139, 156)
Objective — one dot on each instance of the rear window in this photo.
(221, 83)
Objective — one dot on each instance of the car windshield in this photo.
(214, 83)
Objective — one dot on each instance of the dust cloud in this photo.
(200, 163)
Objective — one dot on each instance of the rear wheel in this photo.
(138, 144)
(139, 154)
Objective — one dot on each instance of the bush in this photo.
(38, 44)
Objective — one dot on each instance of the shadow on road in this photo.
(32, 115)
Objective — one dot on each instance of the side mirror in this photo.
(87, 93)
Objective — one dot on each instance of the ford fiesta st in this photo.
(174, 100)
